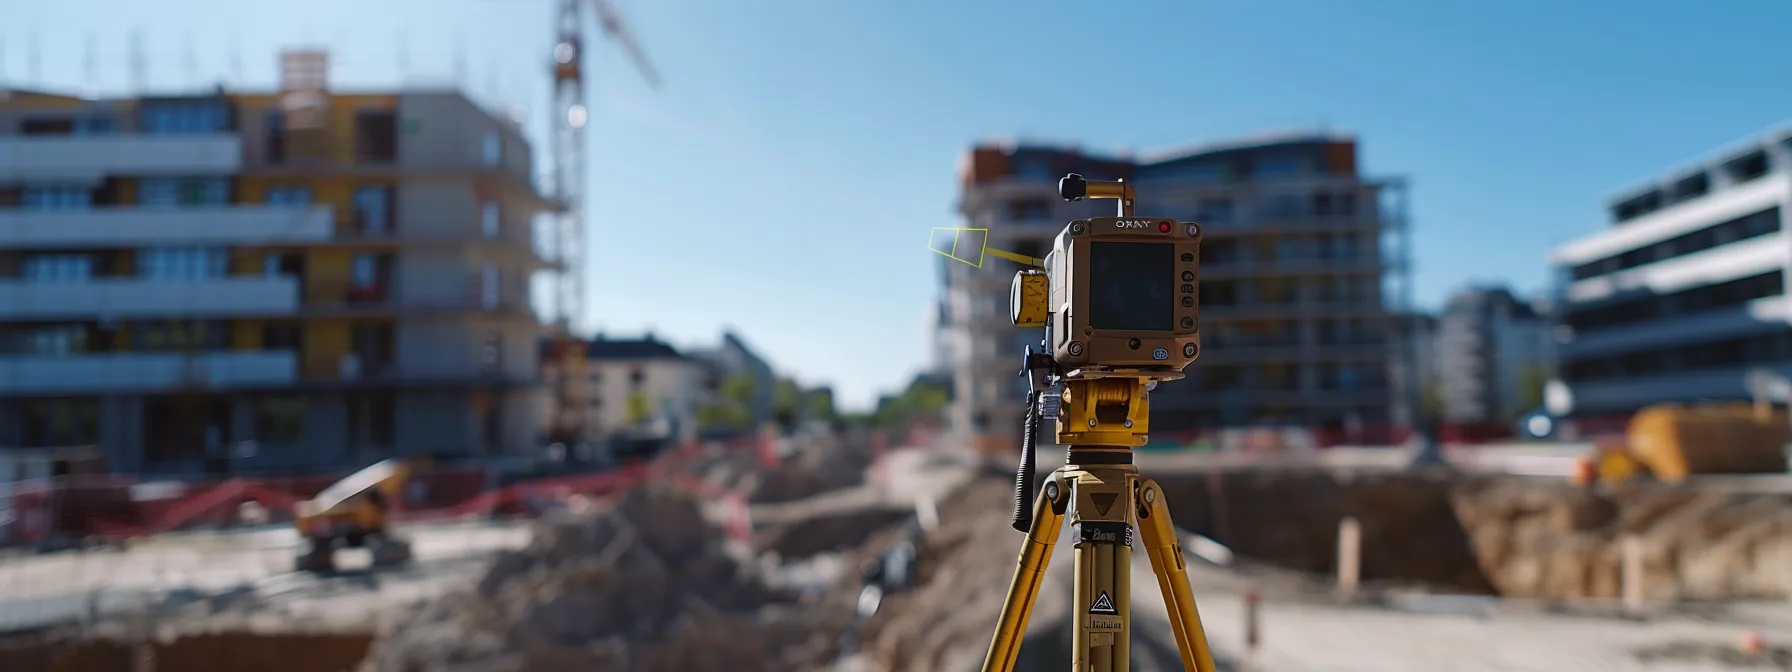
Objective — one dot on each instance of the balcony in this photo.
(91, 158)
(1632, 392)
(130, 297)
(128, 372)
(1757, 316)
(236, 225)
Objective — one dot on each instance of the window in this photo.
(365, 270)
(280, 421)
(488, 286)
(178, 335)
(182, 263)
(1214, 211)
(56, 197)
(1285, 205)
(376, 137)
(1034, 168)
(289, 195)
(1748, 167)
(62, 422)
(58, 268)
(492, 149)
(1285, 167)
(185, 117)
(285, 336)
(58, 341)
(1030, 210)
(373, 209)
(636, 377)
(274, 146)
(184, 191)
(490, 353)
(1742, 228)
(490, 219)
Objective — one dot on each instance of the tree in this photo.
(732, 409)
(787, 403)
(719, 417)
(922, 398)
(819, 405)
(1532, 378)
(639, 408)
(1431, 400)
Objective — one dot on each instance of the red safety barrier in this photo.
(113, 506)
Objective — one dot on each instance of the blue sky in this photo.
(785, 178)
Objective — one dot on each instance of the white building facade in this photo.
(1685, 292)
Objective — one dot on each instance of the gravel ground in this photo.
(42, 590)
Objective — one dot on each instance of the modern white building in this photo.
(1492, 349)
(1685, 292)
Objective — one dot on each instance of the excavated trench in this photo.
(1290, 519)
(1500, 535)
(222, 652)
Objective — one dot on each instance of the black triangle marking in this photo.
(1103, 501)
(1104, 605)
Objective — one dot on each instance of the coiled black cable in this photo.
(1024, 486)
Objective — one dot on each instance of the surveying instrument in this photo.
(1117, 299)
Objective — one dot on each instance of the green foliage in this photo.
(923, 398)
(787, 403)
(1431, 400)
(639, 408)
(740, 388)
(1531, 380)
(722, 415)
(731, 410)
(819, 404)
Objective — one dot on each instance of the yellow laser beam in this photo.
(961, 244)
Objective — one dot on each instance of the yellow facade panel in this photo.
(324, 343)
(328, 273)
(246, 334)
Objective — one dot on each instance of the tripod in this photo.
(1102, 415)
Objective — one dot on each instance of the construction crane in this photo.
(570, 117)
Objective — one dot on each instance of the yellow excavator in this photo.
(1671, 442)
(354, 512)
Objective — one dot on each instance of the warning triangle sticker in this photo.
(1104, 605)
(1103, 501)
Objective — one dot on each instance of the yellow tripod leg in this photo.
(1023, 589)
(1158, 533)
(1103, 592)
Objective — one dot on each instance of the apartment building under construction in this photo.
(1294, 326)
(292, 281)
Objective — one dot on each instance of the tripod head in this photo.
(1118, 300)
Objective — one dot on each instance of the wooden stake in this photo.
(1350, 555)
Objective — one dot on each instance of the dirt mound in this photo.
(1554, 541)
(962, 571)
(1508, 535)
(642, 585)
(814, 464)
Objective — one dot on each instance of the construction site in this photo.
(712, 558)
(331, 429)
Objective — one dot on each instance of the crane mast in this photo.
(571, 115)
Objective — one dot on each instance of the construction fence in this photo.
(78, 510)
